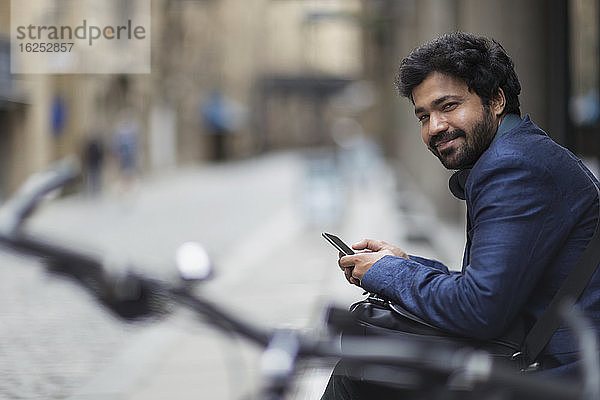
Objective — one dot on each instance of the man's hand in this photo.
(356, 265)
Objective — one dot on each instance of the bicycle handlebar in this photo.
(133, 296)
(16, 210)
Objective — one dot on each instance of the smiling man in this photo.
(532, 207)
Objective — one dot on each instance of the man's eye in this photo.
(449, 106)
(423, 118)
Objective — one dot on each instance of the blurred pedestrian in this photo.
(93, 155)
(126, 148)
(217, 123)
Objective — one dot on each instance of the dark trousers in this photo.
(359, 382)
(352, 382)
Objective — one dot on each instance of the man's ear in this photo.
(498, 102)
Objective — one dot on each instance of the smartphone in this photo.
(338, 243)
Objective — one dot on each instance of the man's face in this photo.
(455, 126)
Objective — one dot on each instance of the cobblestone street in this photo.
(53, 335)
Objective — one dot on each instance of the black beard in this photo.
(471, 149)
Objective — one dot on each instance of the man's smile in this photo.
(444, 145)
(445, 141)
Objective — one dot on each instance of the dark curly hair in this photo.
(481, 63)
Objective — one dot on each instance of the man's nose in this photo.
(437, 124)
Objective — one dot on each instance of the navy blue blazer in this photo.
(532, 208)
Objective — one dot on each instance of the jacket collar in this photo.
(458, 179)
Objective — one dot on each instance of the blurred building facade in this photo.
(287, 71)
(198, 48)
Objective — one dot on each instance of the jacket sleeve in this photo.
(517, 213)
(431, 263)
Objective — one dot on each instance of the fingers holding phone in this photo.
(344, 250)
(355, 265)
(379, 245)
(349, 260)
(361, 262)
(348, 274)
(348, 270)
